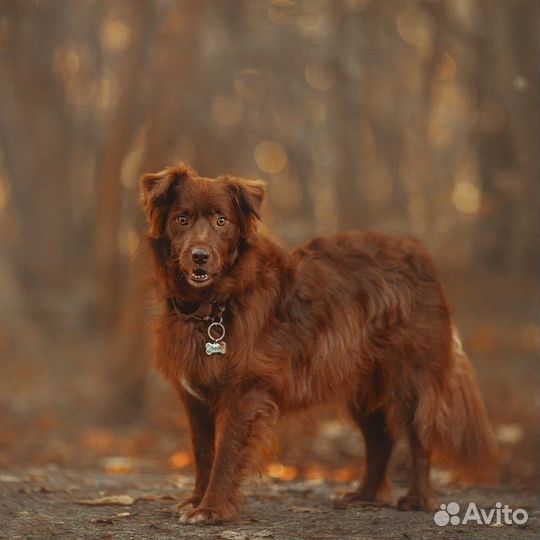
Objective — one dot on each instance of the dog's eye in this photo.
(221, 221)
(183, 220)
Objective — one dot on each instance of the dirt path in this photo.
(42, 503)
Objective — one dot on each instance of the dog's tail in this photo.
(463, 438)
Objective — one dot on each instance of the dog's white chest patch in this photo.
(456, 341)
(190, 390)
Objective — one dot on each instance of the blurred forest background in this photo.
(416, 117)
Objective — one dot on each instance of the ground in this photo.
(45, 504)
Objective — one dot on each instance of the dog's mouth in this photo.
(199, 277)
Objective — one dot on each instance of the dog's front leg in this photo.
(243, 425)
(202, 427)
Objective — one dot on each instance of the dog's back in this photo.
(357, 307)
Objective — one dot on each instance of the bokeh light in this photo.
(270, 156)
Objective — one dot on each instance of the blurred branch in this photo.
(517, 77)
(115, 145)
(507, 235)
(35, 138)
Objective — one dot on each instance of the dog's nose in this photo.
(200, 255)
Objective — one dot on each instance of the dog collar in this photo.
(204, 311)
(209, 312)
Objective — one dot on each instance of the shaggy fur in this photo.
(358, 318)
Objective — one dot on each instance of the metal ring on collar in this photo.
(221, 328)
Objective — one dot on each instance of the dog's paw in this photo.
(185, 506)
(415, 502)
(361, 498)
(202, 516)
(367, 496)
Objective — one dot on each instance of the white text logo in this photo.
(449, 514)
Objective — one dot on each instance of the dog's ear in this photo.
(157, 195)
(248, 196)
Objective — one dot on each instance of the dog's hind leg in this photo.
(418, 496)
(379, 444)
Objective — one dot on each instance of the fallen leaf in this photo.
(9, 478)
(179, 460)
(153, 497)
(281, 472)
(123, 500)
(119, 464)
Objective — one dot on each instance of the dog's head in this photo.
(202, 223)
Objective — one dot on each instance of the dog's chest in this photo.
(202, 355)
(197, 393)
(199, 373)
(203, 380)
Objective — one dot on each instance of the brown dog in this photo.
(250, 331)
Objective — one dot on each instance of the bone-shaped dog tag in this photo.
(216, 348)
